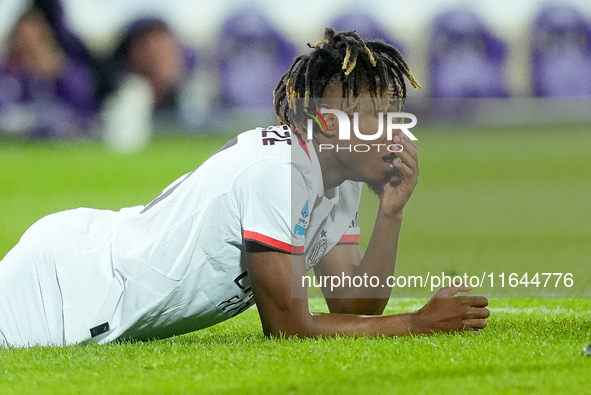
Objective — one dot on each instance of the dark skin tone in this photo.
(357, 311)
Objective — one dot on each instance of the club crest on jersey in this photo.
(316, 254)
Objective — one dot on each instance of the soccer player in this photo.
(243, 228)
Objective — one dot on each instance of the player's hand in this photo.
(398, 189)
(445, 312)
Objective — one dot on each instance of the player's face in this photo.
(370, 161)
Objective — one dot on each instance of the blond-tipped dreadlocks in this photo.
(357, 64)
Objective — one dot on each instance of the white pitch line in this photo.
(533, 310)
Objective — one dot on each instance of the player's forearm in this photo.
(320, 324)
(380, 257)
(379, 261)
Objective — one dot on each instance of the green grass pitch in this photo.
(488, 200)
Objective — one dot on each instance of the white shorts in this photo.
(57, 283)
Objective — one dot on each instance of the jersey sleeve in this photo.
(351, 235)
(265, 194)
(350, 208)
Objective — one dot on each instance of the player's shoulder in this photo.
(273, 143)
(258, 151)
(270, 155)
(257, 144)
(268, 139)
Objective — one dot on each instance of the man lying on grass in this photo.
(244, 227)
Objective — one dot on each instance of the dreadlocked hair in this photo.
(355, 65)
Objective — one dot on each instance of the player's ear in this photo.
(332, 123)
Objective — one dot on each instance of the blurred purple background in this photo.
(231, 55)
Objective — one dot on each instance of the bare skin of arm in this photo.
(380, 257)
(357, 311)
(272, 274)
(347, 260)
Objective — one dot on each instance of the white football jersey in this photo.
(178, 264)
(182, 257)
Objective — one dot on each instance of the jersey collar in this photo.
(305, 159)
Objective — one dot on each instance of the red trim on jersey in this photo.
(303, 145)
(349, 239)
(269, 241)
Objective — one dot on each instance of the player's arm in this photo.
(347, 261)
(380, 257)
(274, 273)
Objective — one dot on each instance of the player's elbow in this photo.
(300, 325)
(367, 306)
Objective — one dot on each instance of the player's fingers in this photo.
(408, 161)
(409, 151)
(477, 301)
(473, 301)
(411, 144)
(406, 171)
(478, 323)
(480, 312)
(448, 292)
